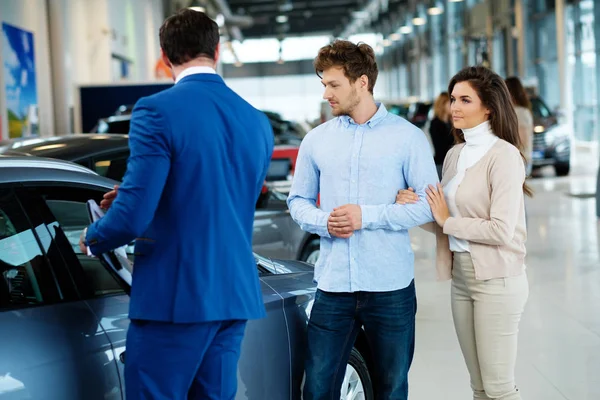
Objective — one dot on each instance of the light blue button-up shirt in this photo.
(366, 165)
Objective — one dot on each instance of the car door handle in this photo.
(122, 357)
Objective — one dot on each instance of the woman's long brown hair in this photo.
(494, 95)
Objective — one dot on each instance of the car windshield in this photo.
(539, 109)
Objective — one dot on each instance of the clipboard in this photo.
(115, 261)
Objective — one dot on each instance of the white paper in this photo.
(125, 269)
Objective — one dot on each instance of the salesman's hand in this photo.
(109, 198)
(345, 220)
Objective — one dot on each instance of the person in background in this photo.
(480, 224)
(365, 271)
(440, 130)
(522, 106)
(188, 199)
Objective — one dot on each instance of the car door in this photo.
(271, 231)
(264, 370)
(51, 346)
(65, 207)
(295, 285)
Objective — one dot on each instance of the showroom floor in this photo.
(559, 342)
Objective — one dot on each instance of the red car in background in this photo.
(287, 152)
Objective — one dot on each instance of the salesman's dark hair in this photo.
(188, 35)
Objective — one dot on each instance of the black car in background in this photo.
(418, 113)
(104, 154)
(285, 132)
(551, 140)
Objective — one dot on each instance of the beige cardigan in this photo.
(490, 200)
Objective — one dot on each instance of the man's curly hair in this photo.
(355, 59)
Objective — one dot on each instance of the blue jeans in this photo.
(388, 319)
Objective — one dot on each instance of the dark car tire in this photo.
(312, 246)
(562, 169)
(358, 363)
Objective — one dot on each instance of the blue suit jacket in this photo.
(199, 157)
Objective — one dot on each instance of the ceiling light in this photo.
(435, 11)
(539, 129)
(405, 30)
(455, 1)
(199, 9)
(395, 36)
(282, 19)
(418, 21)
(387, 42)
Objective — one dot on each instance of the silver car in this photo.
(63, 315)
(275, 233)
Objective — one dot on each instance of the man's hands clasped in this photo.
(344, 220)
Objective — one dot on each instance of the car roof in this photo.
(23, 169)
(68, 147)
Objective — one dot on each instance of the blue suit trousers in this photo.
(182, 361)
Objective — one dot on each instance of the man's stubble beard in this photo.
(354, 101)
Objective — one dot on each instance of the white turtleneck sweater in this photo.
(479, 140)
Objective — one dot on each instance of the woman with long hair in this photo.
(480, 224)
(522, 106)
(440, 130)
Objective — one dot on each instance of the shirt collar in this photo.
(375, 119)
(194, 70)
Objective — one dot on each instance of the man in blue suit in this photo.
(199, 157)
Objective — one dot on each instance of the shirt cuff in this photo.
(370, 215)
(324, 230)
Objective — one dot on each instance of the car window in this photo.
(112, 166)
(72, 216)
(63, 210)
(25, 275)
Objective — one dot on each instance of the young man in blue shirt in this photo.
(365, 272)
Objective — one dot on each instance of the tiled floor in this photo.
(559, 353)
